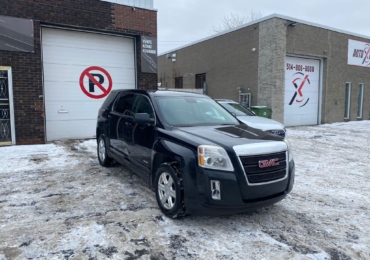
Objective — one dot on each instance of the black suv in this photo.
(194, 153)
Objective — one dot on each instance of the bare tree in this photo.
(234, 20)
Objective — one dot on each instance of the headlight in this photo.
(214, 157)
(290, 152)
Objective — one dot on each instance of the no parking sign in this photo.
(96, 88)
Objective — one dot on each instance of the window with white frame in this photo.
(360, 100)
(347, 100)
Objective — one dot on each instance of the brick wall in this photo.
(27, 67)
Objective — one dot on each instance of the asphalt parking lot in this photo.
(57, 202)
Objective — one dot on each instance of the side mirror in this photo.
(143, 118)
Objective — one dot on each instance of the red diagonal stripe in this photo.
(301, 86)
(96, 82)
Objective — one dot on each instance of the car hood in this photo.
(261, 123)
(225, 136)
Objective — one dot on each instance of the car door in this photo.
(113, 118)
(122, 124)
(142, 135)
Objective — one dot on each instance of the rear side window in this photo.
(125, 104)
(111, 97)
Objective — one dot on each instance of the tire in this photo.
(169, 191)
(103, 157)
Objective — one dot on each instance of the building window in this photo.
(360, 100)
(347, 100)
(178, 82)
(200, 79)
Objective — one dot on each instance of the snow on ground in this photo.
(57, 202)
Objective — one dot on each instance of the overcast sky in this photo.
(185, 21)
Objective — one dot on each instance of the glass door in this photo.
(6, 108)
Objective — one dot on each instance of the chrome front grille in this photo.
(263, 168)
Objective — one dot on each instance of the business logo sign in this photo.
(148, 54)
(299, 82)
(16, 34)
(268, 163)
(358, 53)
(302, 85)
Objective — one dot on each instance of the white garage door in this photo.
(302, 86)
(80, 70)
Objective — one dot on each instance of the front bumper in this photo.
(236, 197)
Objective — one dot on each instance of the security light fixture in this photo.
(171, 56)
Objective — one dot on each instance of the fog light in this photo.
(215, 190)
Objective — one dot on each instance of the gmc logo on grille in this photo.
(268, 163)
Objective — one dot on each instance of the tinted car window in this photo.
(125, 104)
(112, 96)
(142, 105)
(237, 109)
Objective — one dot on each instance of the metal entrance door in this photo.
(245, 99)
(7, 135)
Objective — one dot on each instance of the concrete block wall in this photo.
(332, 47)
(227, 60)
(271, 73)
(229, 63)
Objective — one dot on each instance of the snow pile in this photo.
(57, 202)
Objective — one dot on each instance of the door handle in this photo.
(62, 111)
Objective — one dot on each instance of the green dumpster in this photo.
(262, 111)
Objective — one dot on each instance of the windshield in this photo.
(193, 111)
(237, 109)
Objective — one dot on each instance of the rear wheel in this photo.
(103, 157)
(169, 191)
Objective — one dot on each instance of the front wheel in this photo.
(169, 191)
(103, 157)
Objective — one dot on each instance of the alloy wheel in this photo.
(166, 190)
(102, 150)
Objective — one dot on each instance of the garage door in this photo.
(302, 86)
(80, 70)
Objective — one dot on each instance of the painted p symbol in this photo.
(92, 84)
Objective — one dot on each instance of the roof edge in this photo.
(262, 20)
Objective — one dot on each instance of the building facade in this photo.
(60, 59)
(306, 73)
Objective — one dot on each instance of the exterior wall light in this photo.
(171, 56)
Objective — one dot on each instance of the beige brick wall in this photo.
(271, 69)
(332, 47)
(229, 63)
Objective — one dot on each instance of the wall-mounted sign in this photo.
(16, 34)
(358, 53)
(302, 81)
(148, 54)
(96, 89)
